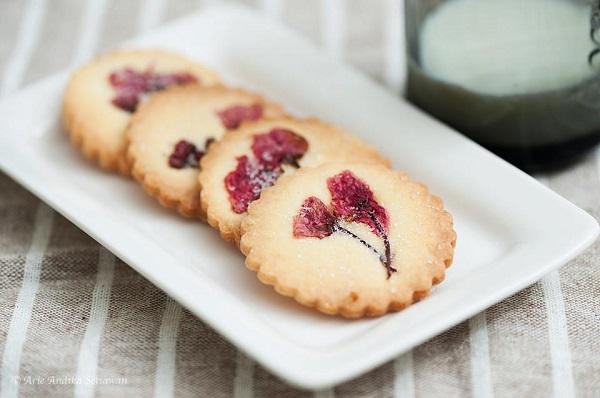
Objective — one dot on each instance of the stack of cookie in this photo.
(319, 213)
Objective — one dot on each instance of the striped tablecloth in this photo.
(70, 311)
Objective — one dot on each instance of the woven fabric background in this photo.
(68, 308)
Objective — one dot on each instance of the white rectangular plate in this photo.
(511, 230)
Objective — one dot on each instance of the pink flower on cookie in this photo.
(233, 116)
(186, 154)
(314, 220)
(251, 175)
(352, 201)
(131, 85)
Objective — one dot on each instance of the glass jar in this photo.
(517, 76)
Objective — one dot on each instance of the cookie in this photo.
(171, 131)
(235, 170)
(102, 95)
(349, 239)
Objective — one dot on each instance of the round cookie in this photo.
(237, 168)
(101, 96)
(349, 239)
(171, 131)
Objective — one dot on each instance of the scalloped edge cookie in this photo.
(274, 268)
